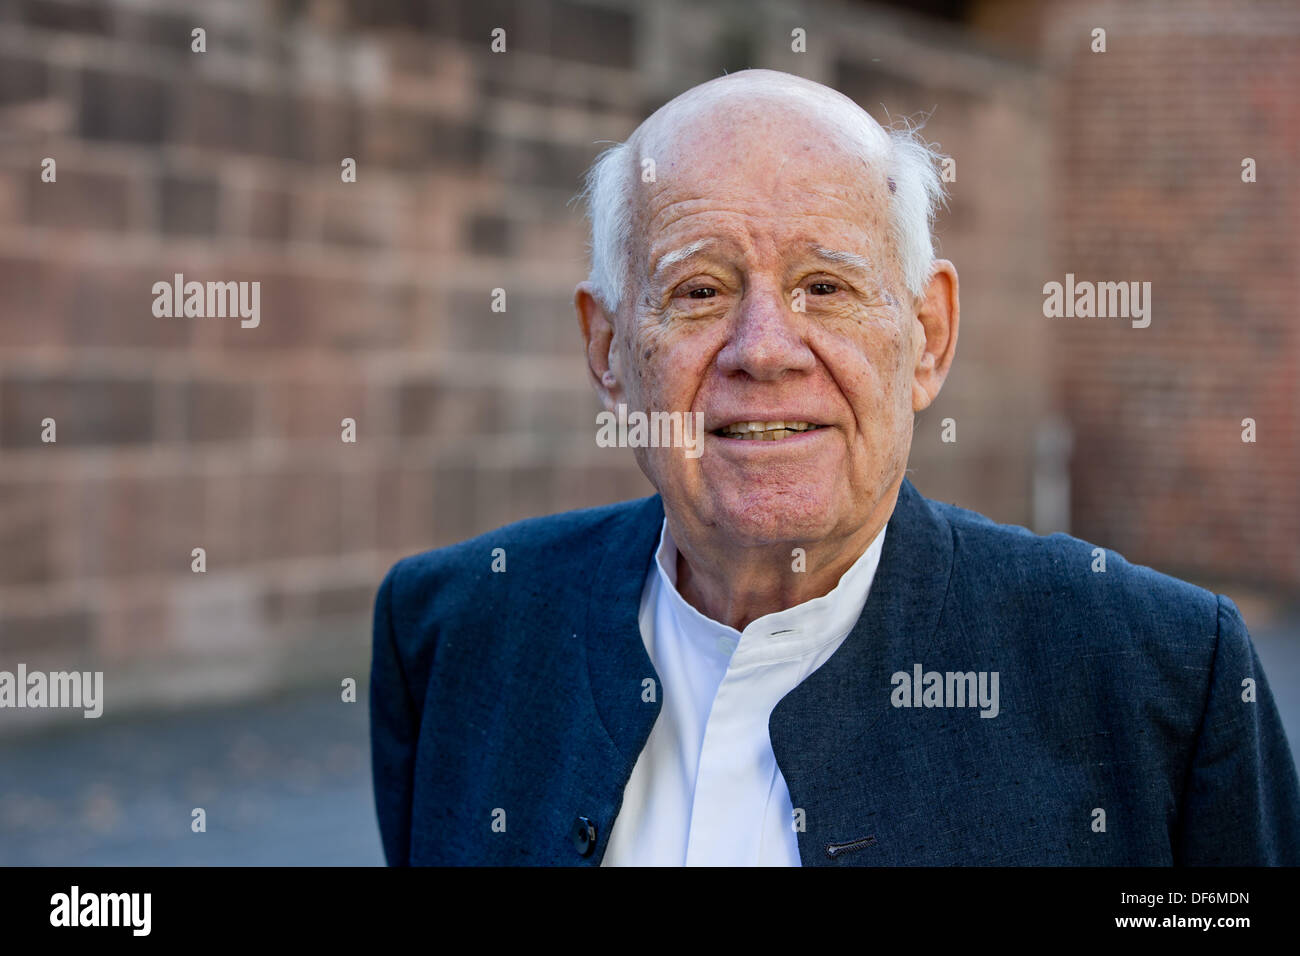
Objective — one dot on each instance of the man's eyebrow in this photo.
(843, 258)
(669, 259)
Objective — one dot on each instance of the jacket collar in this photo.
(840, 701)
(843, 699)
(617, 662)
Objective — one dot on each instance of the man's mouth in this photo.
(764, 431)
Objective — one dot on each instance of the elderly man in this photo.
(788, 656)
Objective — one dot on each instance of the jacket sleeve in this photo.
(394, 732)
(1242, 802)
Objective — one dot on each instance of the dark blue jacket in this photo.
(508, 706)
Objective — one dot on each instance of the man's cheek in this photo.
(667, 468)
(647, 351)
(670, 381)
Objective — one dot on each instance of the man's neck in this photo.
(737, 585)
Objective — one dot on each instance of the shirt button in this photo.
(584, 836)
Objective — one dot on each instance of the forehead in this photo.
(762, 165)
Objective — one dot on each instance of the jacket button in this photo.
(584, 836)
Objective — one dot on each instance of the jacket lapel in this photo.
(617, 662)
(836, 708)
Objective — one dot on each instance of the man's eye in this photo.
(707, 292)
(823, 288)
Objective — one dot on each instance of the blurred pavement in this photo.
(283, 782)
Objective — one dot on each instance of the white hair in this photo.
(914, 181)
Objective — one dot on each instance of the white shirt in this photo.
(706, 790)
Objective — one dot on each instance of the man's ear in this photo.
(598, 335)
(938, 319)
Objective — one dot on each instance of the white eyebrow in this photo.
(680, 255)
(847, 258)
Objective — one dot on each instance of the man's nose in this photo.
(766, 336)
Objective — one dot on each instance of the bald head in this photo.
(713, 126)
(750, 97)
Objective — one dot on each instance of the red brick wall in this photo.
(182, 433)
(1150, 137)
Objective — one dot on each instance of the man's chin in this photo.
(754, 523)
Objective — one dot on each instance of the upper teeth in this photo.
(761, 430)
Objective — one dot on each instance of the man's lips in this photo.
(774, 428)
